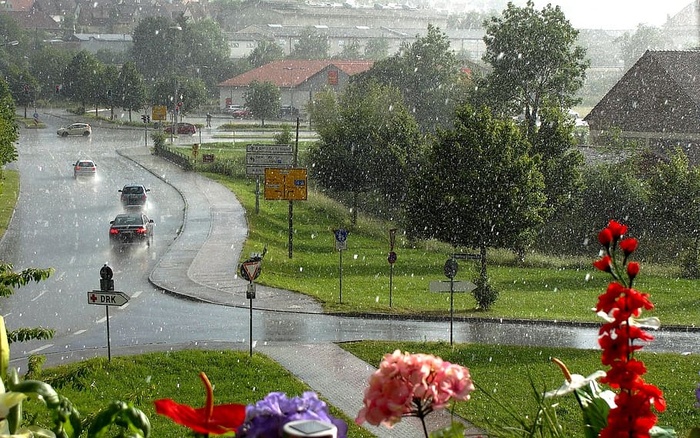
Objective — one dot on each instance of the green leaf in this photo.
(454, 430)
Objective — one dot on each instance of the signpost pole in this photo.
(340, 275)
(250, 328)
(109, 349)
(452, 306)
(257, 195)
(391, 280)
(291, 227)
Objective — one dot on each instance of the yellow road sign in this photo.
(285, 184)
(159, 112)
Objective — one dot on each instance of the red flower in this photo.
(632, 269)
(604, 264)
(617, 229)
(213, 420)
(628, 246)
(605, 237)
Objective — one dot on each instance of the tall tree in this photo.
(311, 45)
(263, 100)
(130, 88)
(479, 186)
(47, 65)
(264, 53)
(633, 45)
(675, 201)
(158, 47)
(535, 62)
(377, 48)
(351, 50)
(367, 145)
(9, 132)
(427, 74)
(81, 78)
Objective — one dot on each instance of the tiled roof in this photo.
(291, 73)
(659, 93)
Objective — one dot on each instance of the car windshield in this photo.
(132, 190)
(128, 220)
(85, 164)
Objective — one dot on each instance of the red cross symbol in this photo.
(93, 298)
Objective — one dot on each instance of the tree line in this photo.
(485, 160)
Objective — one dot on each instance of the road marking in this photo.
(79, 332)
(36, 350)
(101, 320)
(39, 296)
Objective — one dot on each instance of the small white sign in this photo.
(107, 298)
(458, 286)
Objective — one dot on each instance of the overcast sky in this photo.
(615, 14)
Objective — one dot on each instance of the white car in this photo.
(84, 168)
(75, 129)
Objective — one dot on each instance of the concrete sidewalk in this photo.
(202, 264)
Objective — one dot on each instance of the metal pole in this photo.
(340, 276)
(452, 294)
(291, 228)
(250, 352)
(391, 280)
(257, 195)
(109, 349)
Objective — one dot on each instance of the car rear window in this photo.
(85, 164)
(132, 190)
(127, 220)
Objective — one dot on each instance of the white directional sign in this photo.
(260, 156)
(458, 286)
(107, 298)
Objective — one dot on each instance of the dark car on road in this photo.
(134, 195)
(131, 228)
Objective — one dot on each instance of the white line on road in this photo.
(36, 350)
(79, 332)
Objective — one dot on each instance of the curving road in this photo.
(62, 223)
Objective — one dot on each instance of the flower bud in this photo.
(604, 264)
(628, 246)
(632, 269)
(605, 237)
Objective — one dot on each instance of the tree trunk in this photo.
(482, 272)
(354, 208)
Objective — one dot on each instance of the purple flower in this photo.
(267, 417)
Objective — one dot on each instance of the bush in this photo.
(485, 294)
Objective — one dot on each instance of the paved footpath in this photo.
(202, 263)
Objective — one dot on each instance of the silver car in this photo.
(84, 168)
(83, 129)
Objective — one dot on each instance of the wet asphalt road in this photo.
(62, 223)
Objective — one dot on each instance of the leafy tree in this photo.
(368, 145)
(559, 161)
(205, 48)
(108, 92)
(535, 62)
(158, 47)
(81, 78)
(9, 132)
(311, 45)
(644, 38)
(427, 74)
(264, 53)
(323, 111)
(377, 48)
(350, 51)
(23, 85)
(130, 88)
(675, 201)
(9, 280)
(479, 187)
(171, 91)
(47, 65)
(263, 99)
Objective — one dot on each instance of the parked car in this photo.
(84, 168)
(131, 228)
(83, 129)
(288, 111)
(182, 128)
(242, 113)
(134, 195)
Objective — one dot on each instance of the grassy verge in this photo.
(236, 377)
(9, 191)
(543, 288)
(504, 374)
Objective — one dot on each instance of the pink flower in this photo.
(412, 385)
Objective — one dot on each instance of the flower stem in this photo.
(425, 428)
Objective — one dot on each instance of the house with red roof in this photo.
(298, 80)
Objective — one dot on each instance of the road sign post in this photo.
(341, 236)
(250, 270)
(107, 297)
